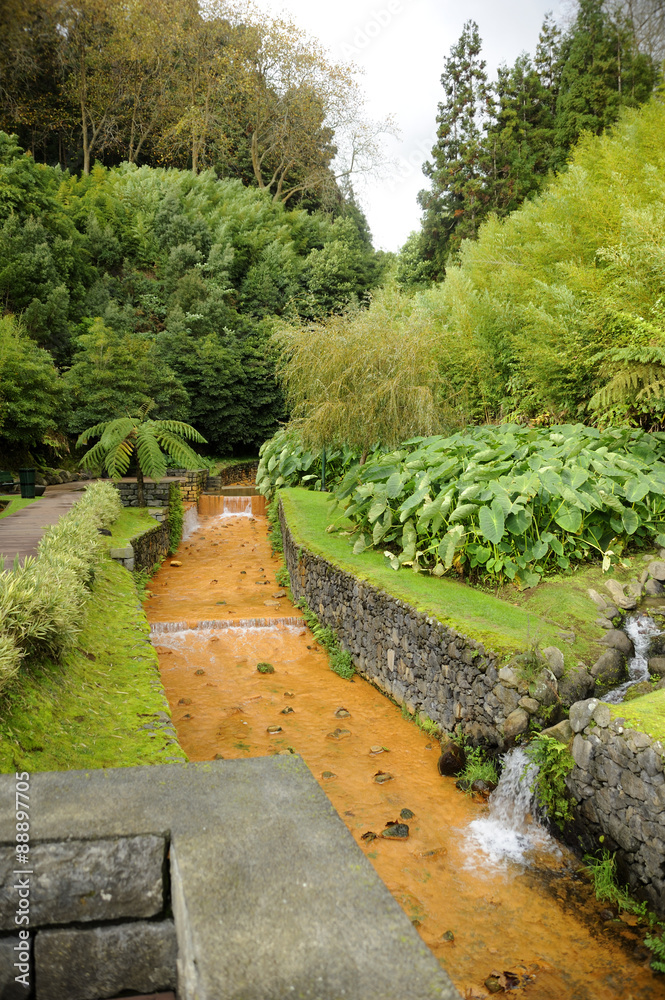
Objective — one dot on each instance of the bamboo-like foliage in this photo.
(361, 379)
(43, 601)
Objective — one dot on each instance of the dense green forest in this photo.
(136, 283)
(177, 224)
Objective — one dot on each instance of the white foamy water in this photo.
(511, 832)
(237, 624)
(641, 629)
(237, 507)
(190, 523)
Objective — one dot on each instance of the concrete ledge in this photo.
(272, 898)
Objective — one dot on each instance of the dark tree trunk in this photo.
(139, 484)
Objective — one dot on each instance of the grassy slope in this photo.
(506, 623)
(15, 503)
(647, 714)
(87, 711)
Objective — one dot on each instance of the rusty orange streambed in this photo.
(539, 921)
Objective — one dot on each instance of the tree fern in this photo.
(640, 376)
(149, 440)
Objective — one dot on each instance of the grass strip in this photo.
(15, 503)
(88, 711)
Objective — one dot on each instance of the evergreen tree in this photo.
(455, 206)
(520, 142)
(602, 71)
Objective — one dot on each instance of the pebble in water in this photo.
(199, 672)
(395, 831)
(407, 814)
(328, 774)
(289, 694)
(339, 734)
(342, 713)
(376, 749)
(274, 729)
(287, 711)
(382, 776)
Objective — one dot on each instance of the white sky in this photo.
(401, 45)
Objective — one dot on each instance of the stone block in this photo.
(12, 949)
(104, 961)
(601, 715)
(516, 723)
(508, 677)
(562, 732)
(657, 666)
(507, 698)
(87, 880)
(656, 570)
(576, 685)
(126, 552)
(582, 752)
(616, 639)
(581, 712)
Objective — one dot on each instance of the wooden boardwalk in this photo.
(20, 532)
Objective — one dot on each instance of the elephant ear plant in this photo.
(149, 441)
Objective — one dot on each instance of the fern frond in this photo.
(180, 428)
(150, 456)
(118, 459)
(178, 450)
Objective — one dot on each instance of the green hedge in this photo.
(43, 601)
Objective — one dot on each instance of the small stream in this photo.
(641, 628)
(487, 888)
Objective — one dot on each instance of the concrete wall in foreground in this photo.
(222, 880)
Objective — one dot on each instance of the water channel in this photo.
(489, 891)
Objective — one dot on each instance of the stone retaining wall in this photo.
(619, 786)
(191, 484)
(242, 474)
(619, 778)
(97, 913)
(144, 550)
(415, 659)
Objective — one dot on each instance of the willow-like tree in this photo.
(361, 379)
(138, 437)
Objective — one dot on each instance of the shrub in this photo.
(555, 762)
(478, 768)
(42, 602)
(602, 872)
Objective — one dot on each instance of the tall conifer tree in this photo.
(454, 207)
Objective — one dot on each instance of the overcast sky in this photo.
(401, 45)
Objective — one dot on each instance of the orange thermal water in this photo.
(539, 921)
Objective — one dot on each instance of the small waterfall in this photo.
(160, 628)
(237, 506)
(641, 629)
(190, 522)
(511, 831)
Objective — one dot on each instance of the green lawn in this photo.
(506, 623)
(132, 522)
(646, 714)
(88, 710)
(15, 503)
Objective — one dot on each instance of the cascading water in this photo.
(237, 507)
(190, 523)
(511, 832)
(641, 629)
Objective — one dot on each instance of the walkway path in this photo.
(20, 532)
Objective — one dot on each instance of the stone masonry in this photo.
(619, 785)
(416, 660)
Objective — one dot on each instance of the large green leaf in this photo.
(394, 486)
(492, 522)
(519, 521)
(462, 512)
(636, 489)
(449, 544)
(569, 518)
(630, 520)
